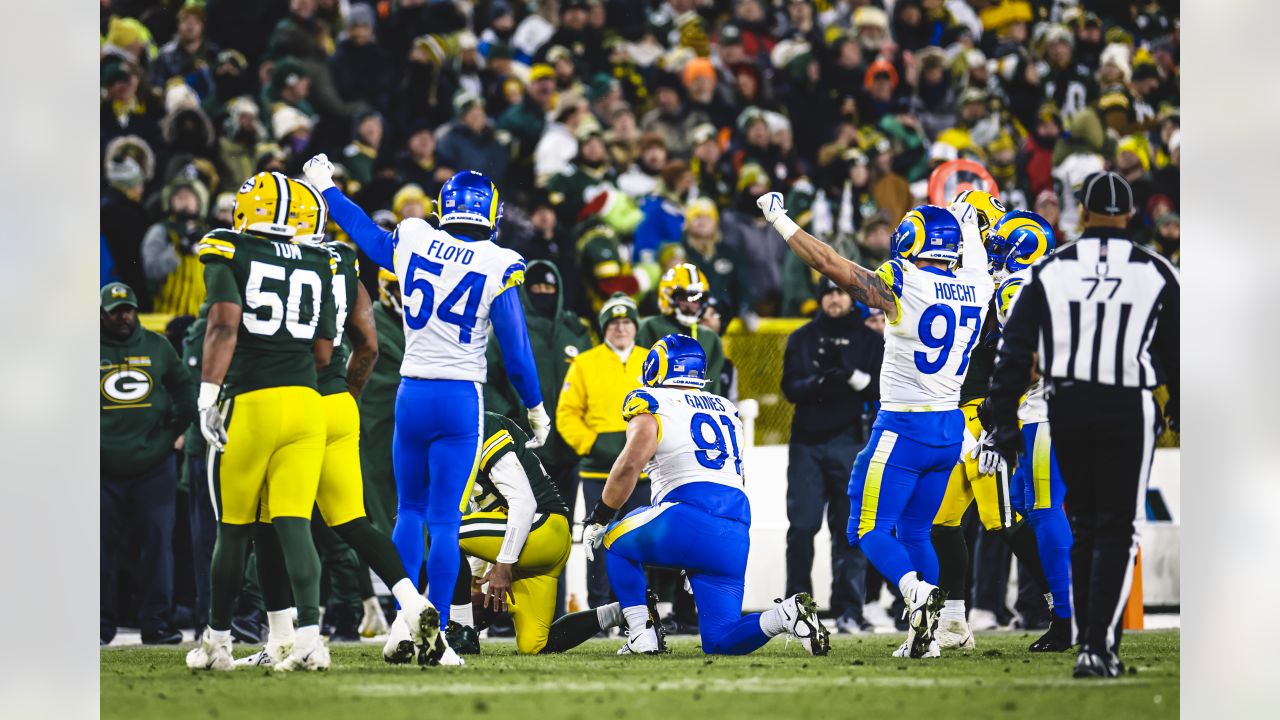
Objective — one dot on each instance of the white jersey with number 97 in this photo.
(926, 350)
(448, 287)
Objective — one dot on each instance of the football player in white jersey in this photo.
(690, 443)
(456, 282)
(934, 311)
(1036, 491)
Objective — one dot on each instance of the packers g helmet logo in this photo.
(126, 385)
(119, 292)
(247, 187)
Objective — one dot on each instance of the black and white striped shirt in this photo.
(1099, 310)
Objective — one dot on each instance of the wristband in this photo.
(208, 395)
(785, 226)
(859, 380)
(601, 515)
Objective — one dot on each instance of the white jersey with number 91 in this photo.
(699, 438)
(926, 350)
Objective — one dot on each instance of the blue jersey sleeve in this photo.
(513, 337)
(377, 243)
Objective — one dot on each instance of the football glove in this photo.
(964, 213)
(319, 172)
(989, 459)
(771, 205)
(211, 426)
(592, 537)
(540, 423)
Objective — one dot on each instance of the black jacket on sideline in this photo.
(820, 358)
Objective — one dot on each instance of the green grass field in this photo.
(858, 678)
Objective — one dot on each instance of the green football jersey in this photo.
(333, 379)
(286, 292)
(502, 436)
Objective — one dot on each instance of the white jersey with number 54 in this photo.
(926, 350)
(448, 287)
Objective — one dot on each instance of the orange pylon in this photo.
(1133, 616)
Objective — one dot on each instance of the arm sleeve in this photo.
(799, 382)
(220, 283)
(517, 355)
(377, 243)
(1013, 363)
(973, 254)
(1165, 344)
(509, 477)
(571, 411)
(158, 256)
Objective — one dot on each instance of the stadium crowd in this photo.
(626, 137)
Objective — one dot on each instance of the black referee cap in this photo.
(1106, 193)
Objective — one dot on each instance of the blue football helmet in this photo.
(928, 232)
(469, 197)
(675, 361)
(1017, 241)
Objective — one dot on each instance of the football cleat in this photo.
(374, 623)
(439, 653)
(1097, 665)
(465, 640)
(643, 643)
(313, 656)
(904, 650)
(980, 620)
(1056, 639)
(399, 648)
(954, 635)
(800, 615)
(211, 654)
(423, 622)
(268, 656)
(651, 600)
(922, 617)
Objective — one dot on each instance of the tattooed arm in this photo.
(863, 284)
(364, 342)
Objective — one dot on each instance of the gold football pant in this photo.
(965, 485)
(340, 492)
(275, 447)
(535, 575)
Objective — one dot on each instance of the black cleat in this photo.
(1097, 665)
(1056, 639)
(651, 600)
(463, 639)
(248, 628)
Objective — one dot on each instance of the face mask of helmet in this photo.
(683, 302)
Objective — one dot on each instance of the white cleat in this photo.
(374, 623)
(423, 623)
(922, 610)
(268, 656)
(211, 654)
(800, 614)
(644, 643)
(954, 635)
(439, 652)
(980, 620)
(904, 650)
(315, 658)
(399, 648)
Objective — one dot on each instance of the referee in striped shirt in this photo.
(1099, 320)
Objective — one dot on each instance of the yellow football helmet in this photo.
(308, 212)
(263, 205)
(389, 290)
(682, 282)
(989, 208)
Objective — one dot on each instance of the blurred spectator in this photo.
(726, 273)
(669, 117)
(558, 146)
(471, 143)
(1078, 154)
(1049, 207)
(411, 202)
(644, 176)
(830, 371)
(527, 121)
(573, 32)
(1070, 84)
(763, 252)
(417, 162)
(361, 68)
(174, 273)
(664, 211)
(714, 320)
(1168, 237)
(359, 156)
(242, 133)
(124, 111)
(588, 420)
(188, 56)
(148, 399)
(124, 222)
(1035, 163)
(290, 87)
(706, 164)
(589, 171)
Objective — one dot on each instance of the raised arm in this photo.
(377, 243)
(863, 284)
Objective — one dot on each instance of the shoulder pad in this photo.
(639, 402)
(892, 273)
(513, 276)
(217, 244)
